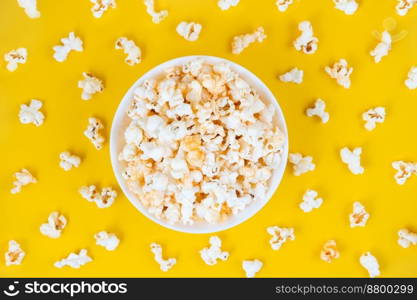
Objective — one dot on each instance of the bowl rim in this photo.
(251, 210)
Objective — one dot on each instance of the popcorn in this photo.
(370, 263)
(319, 111)
(103, 199)
(251, 267)
(352, 159)
(359, 216)
(279, 236)
(310, 201)
(14, 254)
(211, 254)
(69, 43)
(240, 42)
(134, 54)
(107, 240)
(404, 6)
(226, 4)
(157, 17)
(301, 164)
(340, 72)
(283, 4)
(68, 161)
(164, 264)
(373, 116)
(294, 75)
(90, 86)
(74, 260)
(22, 178)
(383, 47)
(306, 42)
(56, 223)
(404, 170)
(189, 30)
(329, 251)
(406, 238)
(30, 114)
(15, 57)
(93, 132)
(411, 81)
(30, 7)
(349, 7)
(100, 6)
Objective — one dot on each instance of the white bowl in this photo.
(121, 121)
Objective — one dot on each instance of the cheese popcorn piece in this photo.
(107, 240)
(406, 238)
(157, 17)
(370, 263)
(100, 6)
(373, 116)
(90, 86)
(310, 201)
(341, 72)
(226, 4)
(189, 30)
(22, 178)
(411, 81)
(240, 42)
(211, 254)
(352, 159)
(103, 199)
(70, 43)
(14, 255)
(164, 264)
(404, 6)
(15, 57)
(30, 114)
(283, 4)
(279, 236)
(68, 161)
(133, 52)
(349, 7)
(74, 260)
(404, 170)
(56, 223)
(359, 216)
(329, 251)
(295, 75)
(93, 132)
(383, 47)
(301, 164)
(306, 42)
(251, 267)
(30, 7)
(318, 110)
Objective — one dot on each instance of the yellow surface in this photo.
(391, 206)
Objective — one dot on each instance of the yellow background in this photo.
(391, 206)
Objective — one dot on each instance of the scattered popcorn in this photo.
(68, 43)
(90, 86)
(359, 216)
(134, 54)
(15, 57)
(211, 254)
(164, 264)
(406, 238)
(189, 30)
(226, 4)
(100, 6)
(352, 159)
(279, 236)
(93, 132)
(404, 6)
(306, 42)
(68, 161)
(22, 178)
(157, 17)
(103, 199)
(349, 7)
(340, 72)
(56, 223)
(404, 170)
(30, 114)
(411, 81)
(295, 75)
(14, 254)
(310, 201)
(369, 262)
(383, 47)
(329, 251)
(74, 260)
(107, 240)
(319, 111)
(240, 42)
(30, 7)
(373, 116)
(251, 267)
(283, 4)
(301, 164)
